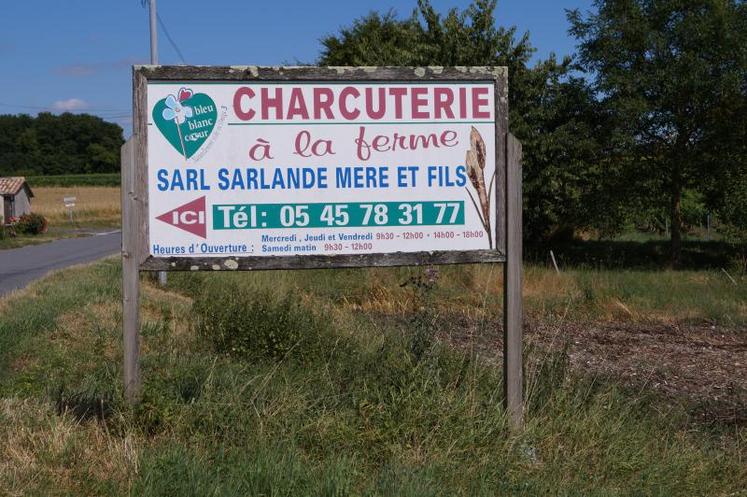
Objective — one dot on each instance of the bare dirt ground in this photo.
(701, 365)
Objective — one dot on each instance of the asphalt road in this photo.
(21, 266)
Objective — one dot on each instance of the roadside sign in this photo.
(70, 204)
(251, 168)
(348, 167)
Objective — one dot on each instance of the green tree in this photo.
(671, 74)
(58, 144)
(101, 159)
(551, 112)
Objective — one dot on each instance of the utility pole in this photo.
(162, 275)
(153, 32)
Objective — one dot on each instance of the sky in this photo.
(76, 55)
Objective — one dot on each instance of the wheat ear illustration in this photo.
(475, 162)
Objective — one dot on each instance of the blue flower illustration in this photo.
(175, 111)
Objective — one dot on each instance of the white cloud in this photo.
(69, 105)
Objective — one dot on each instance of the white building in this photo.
(16, 197)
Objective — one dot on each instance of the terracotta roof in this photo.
(11, 185)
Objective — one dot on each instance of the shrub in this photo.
(256, 324)
(31, 224)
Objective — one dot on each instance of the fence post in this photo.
(512, 305)
(130, 273)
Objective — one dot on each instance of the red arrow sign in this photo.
(189, 217)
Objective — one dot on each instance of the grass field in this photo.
(363, 383)
(96, 206)
(68, 180)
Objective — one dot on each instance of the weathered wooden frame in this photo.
(508, 205)
(143, 74)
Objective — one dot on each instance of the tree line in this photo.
(50, 144)
(645, 126)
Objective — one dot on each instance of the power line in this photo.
(106, 114)
(166, 32)
(168, 37)
(50, 108)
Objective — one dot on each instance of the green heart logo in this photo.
(186, 120)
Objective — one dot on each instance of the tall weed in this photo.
(258, 324)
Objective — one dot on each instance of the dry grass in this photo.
(664, 297)
(47, 451)
(42, 449)
(95, 205)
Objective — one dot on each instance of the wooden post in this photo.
(130, 273)
(512, 306)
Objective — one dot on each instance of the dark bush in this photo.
(31, 224)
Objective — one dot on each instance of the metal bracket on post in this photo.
(130, 273)
(512, 303)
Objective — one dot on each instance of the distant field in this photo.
(112, 179)
(96, 206)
